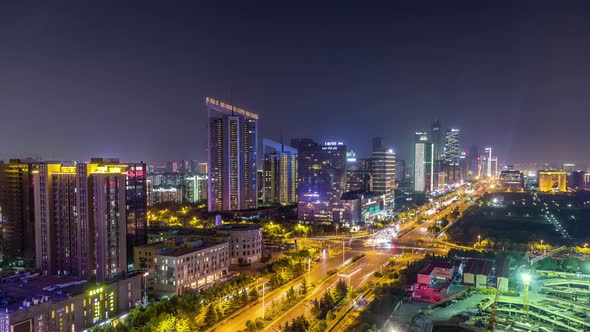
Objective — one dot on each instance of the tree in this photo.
(254, 295)
(290, 294)
(303, 288)
(211, 315)
(341, 290)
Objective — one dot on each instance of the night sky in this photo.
(128, 79)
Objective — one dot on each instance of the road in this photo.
(237, 321)
(359, 272)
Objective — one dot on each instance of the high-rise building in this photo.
(451, 149)
(280, 173)
(195, 188)
(80, 213)
(358, 173)
(486, 163)
(232, 157)
(494, 166)
(383, 171)
(552, 181)
(321, 180)
(472, 163)
(136, 205)
(437, 140)
(18, 213)
(400, 170)
(452, 154)
(423, 165)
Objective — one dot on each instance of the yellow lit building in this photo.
(552, 181)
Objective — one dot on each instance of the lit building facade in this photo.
(452, 155)
(279, 173)
(437, 140)
(552, 181)
(358, 173)
(195, 188)
(166, 194)
(383, 171)
(81, 227)
(232, 157)
(178, 269)
(18, 214)
(321, 181)
(68, 304)
(245, 242)
(511, 180)
(423, 164)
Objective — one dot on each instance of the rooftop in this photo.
(478, 266)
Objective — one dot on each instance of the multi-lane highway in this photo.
(413, 236)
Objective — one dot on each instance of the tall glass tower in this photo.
(232, 157)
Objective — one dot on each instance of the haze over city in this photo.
(508, 74)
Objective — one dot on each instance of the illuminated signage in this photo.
(96, 291)
(221, 106)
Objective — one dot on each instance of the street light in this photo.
(526, 280)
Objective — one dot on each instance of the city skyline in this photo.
(500, 82)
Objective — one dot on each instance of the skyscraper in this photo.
(358, 173)
(472, 163)
(436, 139)
(486, 163)
(423, 165)
(17, 205)
(452, 154)
(81, 219)
(321, 180)
(232, 157)
(280, 173)
(383, 171)
(136, 205)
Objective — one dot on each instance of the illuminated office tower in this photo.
(486, 162)
(80, 215)
(437, 140)
(17, 205)
(383, 171)
(232, 157)
(452, 154)
(279, 173)
(423, 165)
(358, 173)
(321, 180)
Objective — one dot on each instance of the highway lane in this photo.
(237, 321)
(359, 273)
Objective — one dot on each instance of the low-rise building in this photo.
(476, 272)
(511, 180)
(179, 267)
(434, 271)
(245, 240)
(552, 181)
(52, 303)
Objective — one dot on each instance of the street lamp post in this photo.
(342, 249)
(263, 304)
(526, 280)
(309, 270)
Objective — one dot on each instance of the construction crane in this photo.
(533, 259)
